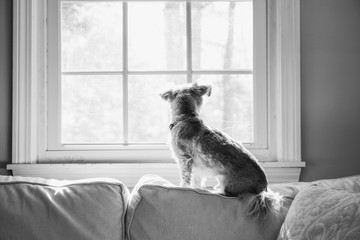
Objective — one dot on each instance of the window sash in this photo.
(55, 73)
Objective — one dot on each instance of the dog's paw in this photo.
(218, 192)
(199, 186)
(183, 184)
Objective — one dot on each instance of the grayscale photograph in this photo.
(179, 119)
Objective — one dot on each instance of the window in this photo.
(87, 75)
(116, 57)
(109, 60)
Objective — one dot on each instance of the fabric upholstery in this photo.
(351, 183)
(289, 190)
(160, 211)
(35, 208)
(322, 213)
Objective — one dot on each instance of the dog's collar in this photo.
(184, 117)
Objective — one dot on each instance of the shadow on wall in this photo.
(330, 56)
(6, 7)
(3, 170)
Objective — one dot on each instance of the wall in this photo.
(5, 82)
(330, 75)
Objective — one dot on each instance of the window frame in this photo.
(160, 151)
(30, 83)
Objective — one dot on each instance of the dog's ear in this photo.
(168, 95)
(208, 90)
(202, 89)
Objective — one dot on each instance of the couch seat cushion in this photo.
(323, 213)
(159, 210)
(34, 208)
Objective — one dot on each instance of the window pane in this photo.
(92, 109)
(222, 35)
(157, 35)
(91, 36)
(230, 106)
(148, 113)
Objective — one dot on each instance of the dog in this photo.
(202, 151)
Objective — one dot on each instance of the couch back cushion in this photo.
(322, 213)
(33, 208)
(160, 211)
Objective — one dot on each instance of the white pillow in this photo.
(322, 213)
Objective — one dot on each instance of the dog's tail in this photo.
(262, 204)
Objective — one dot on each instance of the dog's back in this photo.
(213, 149)
(242, 174)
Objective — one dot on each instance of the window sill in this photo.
(129, 173)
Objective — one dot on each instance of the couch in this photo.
(103, 208)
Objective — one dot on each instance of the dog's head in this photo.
(188, 97)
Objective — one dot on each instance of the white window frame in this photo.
(121, 152)
(30, 154)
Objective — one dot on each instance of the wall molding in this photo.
(22, 101)
(284, 75)
(29, 74)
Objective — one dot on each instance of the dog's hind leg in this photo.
(219, 188)
(185, 171)
(198, 181)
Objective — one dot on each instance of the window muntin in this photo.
(135, 122)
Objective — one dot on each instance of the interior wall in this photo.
(5, 82)
(330, 88)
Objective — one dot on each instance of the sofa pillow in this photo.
(159, 210)
(351, 184)
(322, 213)
(36, 208)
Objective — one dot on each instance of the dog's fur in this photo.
(203, 151)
